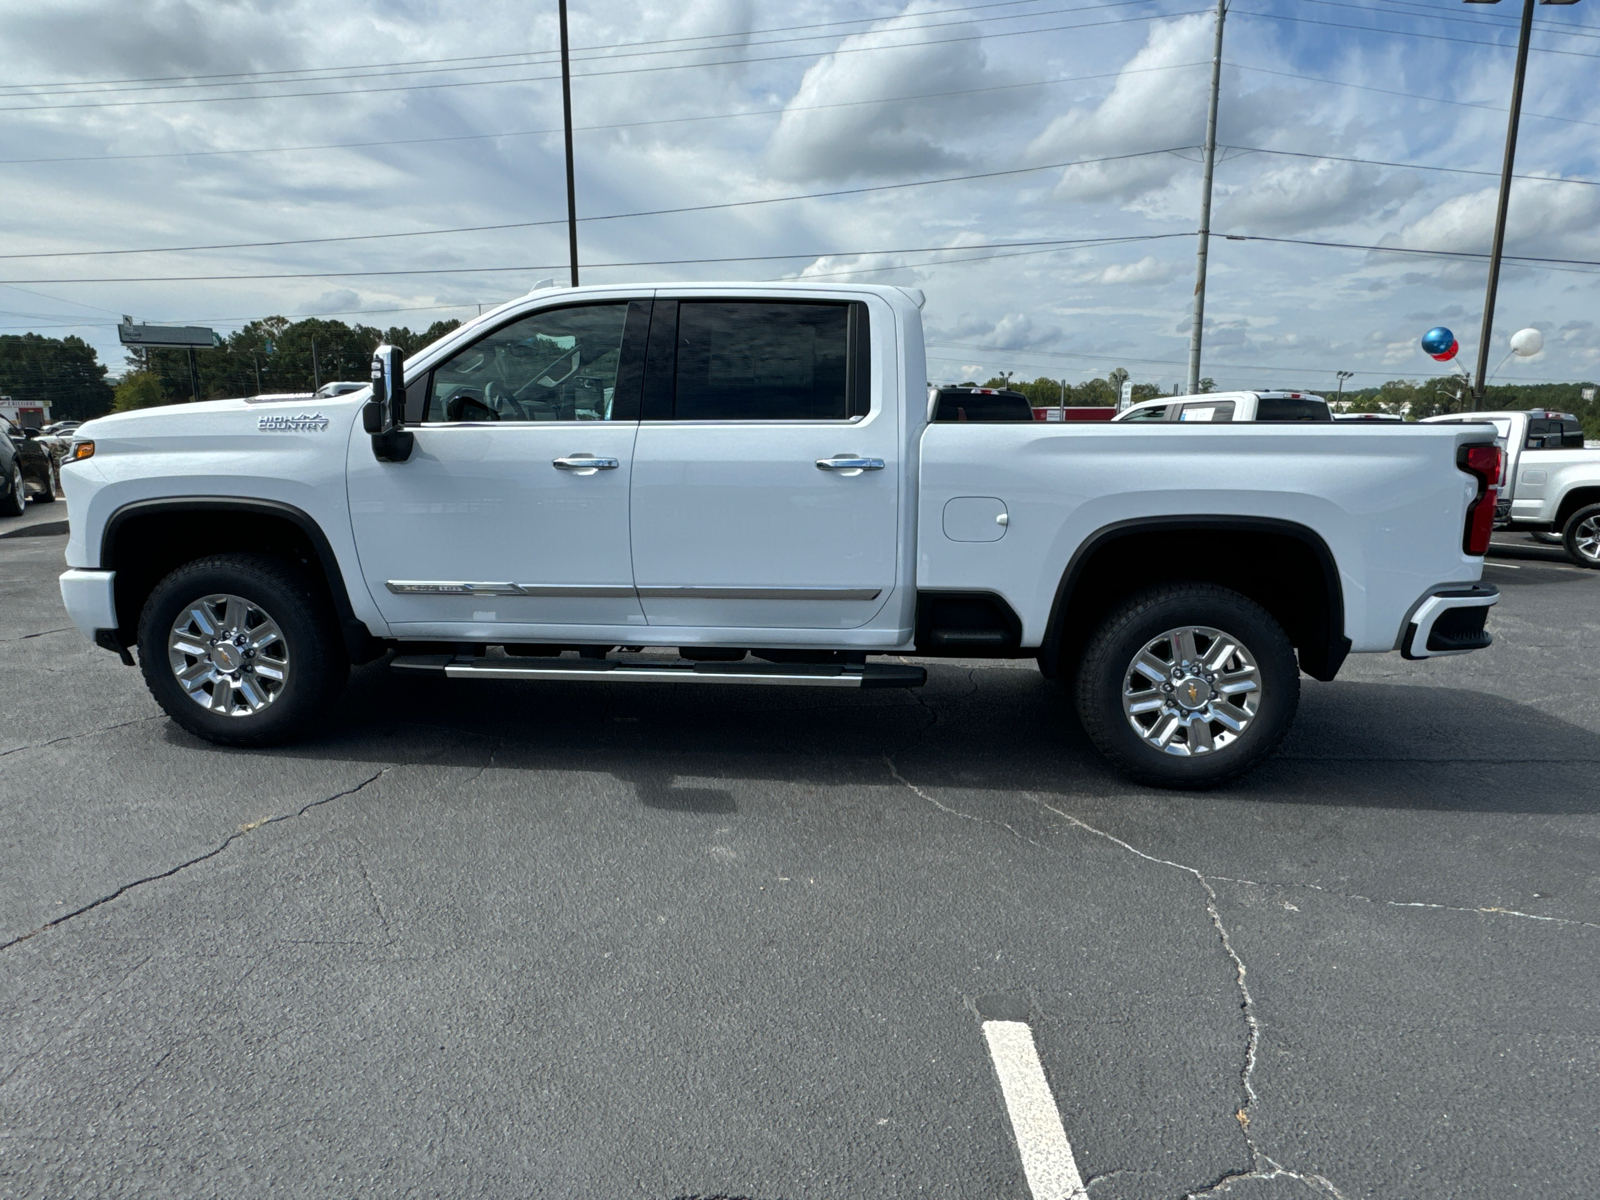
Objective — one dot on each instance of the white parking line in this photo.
(1047, 1159)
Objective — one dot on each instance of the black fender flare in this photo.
(361, 646)
(1320, 662)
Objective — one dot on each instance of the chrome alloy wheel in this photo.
(1191, 691)
(1586, 538)
(228, 655)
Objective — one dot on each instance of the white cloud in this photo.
(812, 142)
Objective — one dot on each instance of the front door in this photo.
(766, 477)
(512, 511)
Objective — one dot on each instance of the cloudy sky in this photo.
(1032, 165)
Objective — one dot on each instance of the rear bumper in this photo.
(1450, 621)
(90, 597)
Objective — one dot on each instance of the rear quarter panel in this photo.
(1389, 504)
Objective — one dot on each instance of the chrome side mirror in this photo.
(384, 415)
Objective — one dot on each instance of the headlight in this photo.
(80, 450)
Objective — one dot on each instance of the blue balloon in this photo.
(1438, 340)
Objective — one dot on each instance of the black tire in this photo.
(1581, 537)
(1108, 663)
(1547, 538)
(48, 495)
(15, 500)
(316, 669)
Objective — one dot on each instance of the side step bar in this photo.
(570, 670)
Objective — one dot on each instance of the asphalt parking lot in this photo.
(578, 941)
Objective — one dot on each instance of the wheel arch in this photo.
(1578, 497)
(1284, 566)
(144, 540)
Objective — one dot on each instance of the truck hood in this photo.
(209, 416)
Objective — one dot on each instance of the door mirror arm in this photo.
(384, 416)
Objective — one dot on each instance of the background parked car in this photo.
(28, 469)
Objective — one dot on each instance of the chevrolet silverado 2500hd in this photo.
(749, 474)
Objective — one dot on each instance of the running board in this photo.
(606, 670)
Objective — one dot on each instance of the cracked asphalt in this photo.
(583, 941)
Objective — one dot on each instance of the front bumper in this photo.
(91, 600)
(1450, 621)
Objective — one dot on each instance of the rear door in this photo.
(767, 468)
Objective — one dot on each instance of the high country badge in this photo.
(300, 423)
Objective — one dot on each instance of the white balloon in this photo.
(1525, 343)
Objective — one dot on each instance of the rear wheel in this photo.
(241, 649)
(1582, 536)
(1188, 686)
(1547, 537)
(13, 502)
(47, 491)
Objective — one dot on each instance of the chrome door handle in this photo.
(849, 462)
(584, 462)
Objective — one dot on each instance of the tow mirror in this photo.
(384, 416)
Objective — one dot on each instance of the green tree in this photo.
(64, 373)
(139, 389)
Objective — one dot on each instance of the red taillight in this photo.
(1483, 462)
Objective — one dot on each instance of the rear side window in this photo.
(1285, 408)
(759, 361)
(1219, 411)
(1156, 412)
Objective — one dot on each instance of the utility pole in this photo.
(1505, 200)
(566, 116)
(316, 373)
(1196, 333)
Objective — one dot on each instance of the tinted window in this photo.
(559, 365)
(957, 405)
(750, 361)
(1156, 412)
(1219, 411)
(1550, 433)
(1283, 408)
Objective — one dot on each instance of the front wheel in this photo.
(1188, 686)
(241, 649)
(1582, 536)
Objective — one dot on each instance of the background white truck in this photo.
(1221, 407)
(1550, 483)
(740, 484)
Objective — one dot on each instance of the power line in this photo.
(663, 262)
(736, 62)
(607, 53)
(470, 137)
(1433, 37)
(1483, 105)
(363, 237)
(485, 58)
(1406, 8)
(1378, 162)
(1522, 258)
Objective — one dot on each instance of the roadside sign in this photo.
(193, 337)
(1127, 395)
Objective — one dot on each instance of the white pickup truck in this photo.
(1219, 407)
(1550, 484)
(741, 484)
